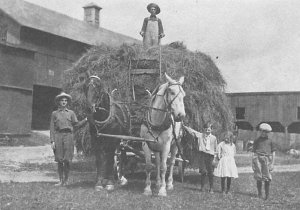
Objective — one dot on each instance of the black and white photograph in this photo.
(141, 104)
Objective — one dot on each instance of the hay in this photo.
(204, 85)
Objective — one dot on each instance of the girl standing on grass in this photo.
(226, 168)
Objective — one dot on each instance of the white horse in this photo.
(163, 125)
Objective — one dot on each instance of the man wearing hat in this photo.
(152, 30)
(263, 159)
(62, 124)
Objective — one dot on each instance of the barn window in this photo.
(240, 113)
(298, 113)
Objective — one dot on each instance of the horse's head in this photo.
(97, 97)
(173, 97)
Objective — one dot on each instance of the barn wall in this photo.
(9, 27)
(17, 70)
(271, 107)
(54, 55)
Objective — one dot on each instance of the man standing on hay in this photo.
(152, 30)
(62, 124)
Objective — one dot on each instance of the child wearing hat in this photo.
(152, 29)
(63, 121)
(226, 168)
(263, 159)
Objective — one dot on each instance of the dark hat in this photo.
(62, 95)
(155, 6)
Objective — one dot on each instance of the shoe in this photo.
(228, 193)
(260, 196)
(60, 183)
(123, 181)
(109, 187)
(66, 183)
(211, 191)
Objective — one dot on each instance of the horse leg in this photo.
(109, 164)
(158, 169)
(100, 170)
(147, 190)
(164, 157)
(172, 163)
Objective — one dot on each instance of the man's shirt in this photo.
(62, 119)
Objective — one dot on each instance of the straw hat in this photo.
(155, 6)
(62, 95)
(265, 127)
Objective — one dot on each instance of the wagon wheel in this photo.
(181, 166)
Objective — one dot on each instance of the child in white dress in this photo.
(226, 168)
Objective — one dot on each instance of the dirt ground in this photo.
(14, 163)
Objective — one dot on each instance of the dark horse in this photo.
(108, 117)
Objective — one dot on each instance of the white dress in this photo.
(226, 166)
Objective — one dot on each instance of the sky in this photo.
(254, 43)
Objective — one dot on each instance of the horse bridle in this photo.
(169, 103)
(98, 93)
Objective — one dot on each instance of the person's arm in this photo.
(160, 29)
(52, 131)
(142, 32)
(215, 144)
(219, 149)
(77, 124)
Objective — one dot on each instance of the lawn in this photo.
(285, 194)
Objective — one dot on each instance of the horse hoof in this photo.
(147, 192)
(109, 187)
(123, 181)
(99, 188)
(170, 187)
(162, 193)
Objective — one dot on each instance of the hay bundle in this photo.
(204, 85)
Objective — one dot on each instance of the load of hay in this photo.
(204, 85)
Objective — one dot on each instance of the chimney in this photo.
(92, 14)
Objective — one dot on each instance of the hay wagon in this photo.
(130, 149)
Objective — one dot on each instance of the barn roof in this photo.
(40, 18)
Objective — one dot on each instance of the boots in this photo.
(60, 174)
(259, 186)
(66, 172)
(267, 188)
(202, 181)
(211, 183)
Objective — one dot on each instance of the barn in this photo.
(279, 109)
(36, 46)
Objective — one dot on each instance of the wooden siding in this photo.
(270, 107)
(267, 107)
(17, 70)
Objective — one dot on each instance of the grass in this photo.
(35, 139)
(285, 193)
